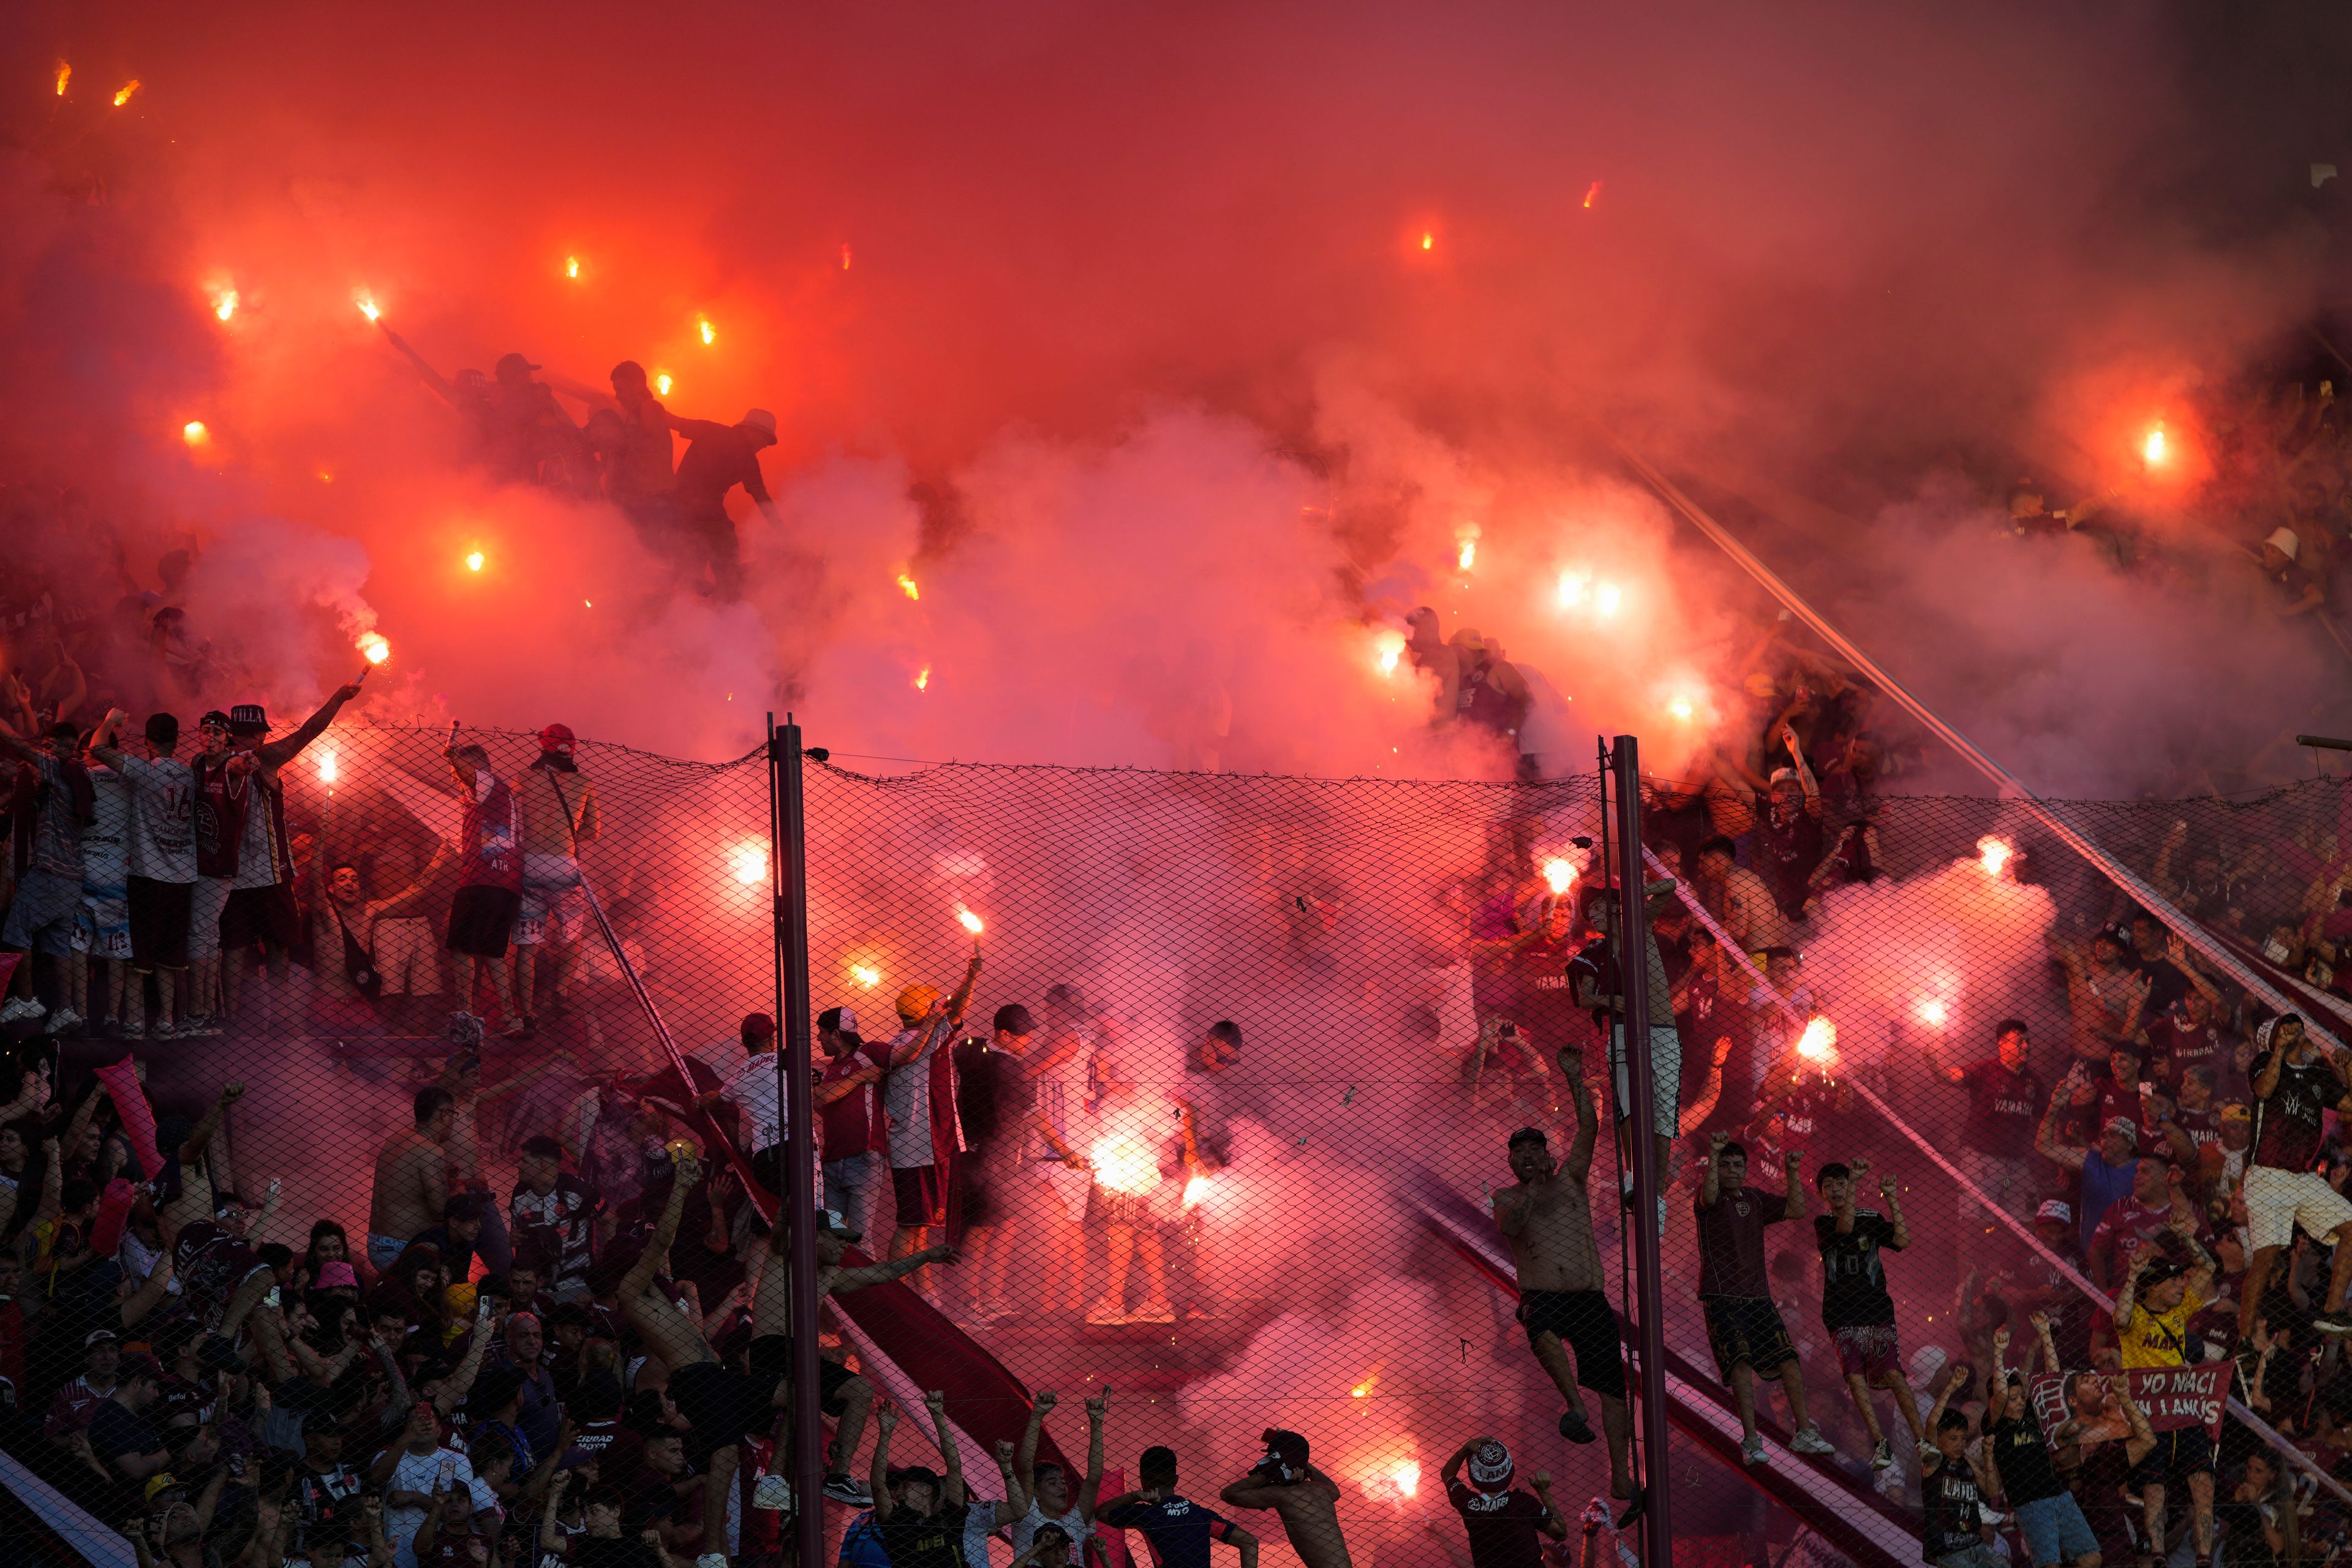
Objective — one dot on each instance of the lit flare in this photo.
(1559, 874)
(923, 679)
(194, 434)
(120, 98)
(750, 864)
(1606, 599)
(1196, 1190)
(1469, 555)
(65, 75)
(225, 306)
(473, 561)
(1994, 854)
(708, 336)
(1122, 1165)
(969, 921)
(1388, 649)
(1819, 1042)
(367, 307)
(866, 975)
(1934, 1011)
(328, 772)
(1592, 192)
(661, 382)
(907, 586)
(572, 267)
(2152, 449)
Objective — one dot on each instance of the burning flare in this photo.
(1994, 854)
(194, 434)
(224, 304)
(750, 864)
(1681, 708)
(473, 561)
(923, 679)
(1388, 649)
(65, 75)
(2152, 448)
(1819, 1042)
(1571, 589)
(1606, 599)
(374, 648)
(845, 259)
(120, 98)
(1122, 1165)
(1559, 874)
(709, 337)
(572, 267)
(1428, 241)
(1933, 1011)
(1195, 1191)
(327, 772)
(866, 975)
(367, 307)
(661, 382)
(969, 921)
(1592, 192)
(907, 585)
(1469, 553)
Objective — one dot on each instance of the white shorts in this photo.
(1666, 1077)
(554, 902)
(2277, 1201)
(205, 906)
(407, 956)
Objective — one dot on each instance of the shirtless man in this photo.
(412, 1179)
(1546, 1219)
(725, 1406)
(1305, 1498)
(559, 815)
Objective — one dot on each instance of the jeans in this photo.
(849, 1187)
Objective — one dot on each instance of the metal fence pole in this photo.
(789, 858)
(1634, 975)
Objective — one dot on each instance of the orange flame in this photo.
(473, 561)
(224, 304)
(2152, 449)
(374, 648)
(708, 336)
(1469, 553)
(1571, 589)
(1428, 240)
(1592, 192)
(367, 307)
(1559, 874)
(969, 921)
(194, 434)
(120, 98)
(65, 75)
(1122, 1165)
(1994, 854)
(572, 267)
(907, 586)
(923, 679)
(1196, 1190)
(1388, 649)
(1819, 1042)
(845, 259)
(750, 864)
(866, 975)
(327, 772)
(1681, 708)
(661, 382)
(1934, 1011)
(1606, 599)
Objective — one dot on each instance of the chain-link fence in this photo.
(1221, 1126)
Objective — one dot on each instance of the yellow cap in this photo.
(915, 1001)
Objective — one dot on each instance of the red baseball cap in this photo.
(556, 735)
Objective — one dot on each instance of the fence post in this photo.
(1634, 975)
(788, 857)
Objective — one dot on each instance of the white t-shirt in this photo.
(907, 1101)
(420, 1473)
(1024, 1531)
(752, 1089)
(163, 820)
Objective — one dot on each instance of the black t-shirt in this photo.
(1786, 855)
(2004, 1109)
(2287, 1126)
(925, 1540)
(1502, 1527)
(1853, 1281)
(612, 1552)
(2028, 1474)
(1179, 1529)
(1731, 1241)
(1950, 1502)
(985, 1083)
(115, 1430)
(2165, 985)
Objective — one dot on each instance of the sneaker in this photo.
(1106, 1314)
(1574, 1427)
(62, 1021)
(1809, 1440)
(843, 1488)
(1155, 1310)
(773, 1494)
(1751, 1452)
(166, 1030)
(210, 1024)
(2333, 1323)
(20, 1007)
(1926, 1452)
(1881, 1456)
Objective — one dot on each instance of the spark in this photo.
(2152, 448)
(588, 604)
(374, 648)
(1606, 598)
(969, 921)
(907, 586)
(473, 561)
(1933, 1011)
(661, 382)
(224, 304)
(572, 267)
(1571, 589)
(1559, 874)
(120, 98)
(194, 434)
(1122, 1165)
(1469, 553)
(923, 679)
(1592, 192)
(1819, 1042)
(750, 864)
(367, 307)
(65, 75)
(1428, 240)
(1994, 854)
(866, 975)
(708, 336)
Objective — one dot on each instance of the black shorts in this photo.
(481, 920)
(1747, 1331)
(263, 915)
(922, 1196)
(725, 1406)
(2176, 1456)
(975, 1190)
(1585, 1322)
(158, 923)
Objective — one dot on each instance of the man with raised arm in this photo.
(2152, 1312)
(1305, 1498)
(558, 806)
(1743, 1326)
(1856, 1306)
(2295, 1085)
(1546, 1219)
(1048, 1486)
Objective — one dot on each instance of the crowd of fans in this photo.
(535, 1377)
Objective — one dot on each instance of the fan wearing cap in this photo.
(2151, 1315)
(1506, 1525)
(1305, 1498)
(753, 1090)
(2299, 592)
(558, 803)
(532, 439)
(2108, 1170)
(723, 1405)
(260, 908)
(718, 457)
(919, 1103)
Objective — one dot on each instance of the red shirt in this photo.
(853, 1124)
